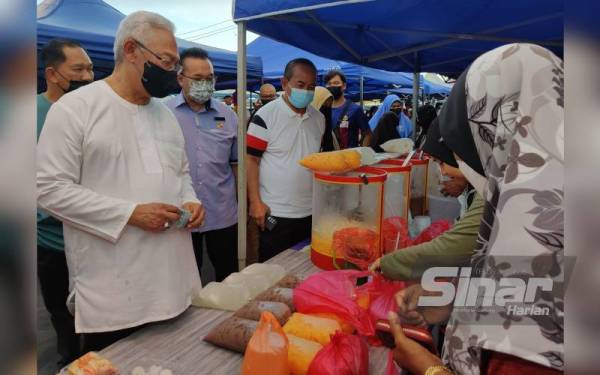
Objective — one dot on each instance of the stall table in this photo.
(178, 344)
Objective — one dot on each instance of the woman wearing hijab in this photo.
(323, 101)
(392, 103)
(425, 116)
(504, 122)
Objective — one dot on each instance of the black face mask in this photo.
(265, 101)
(73, 85)
(336, 91)
(158, 81)
(397, 111)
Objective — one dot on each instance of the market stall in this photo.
(178, 344)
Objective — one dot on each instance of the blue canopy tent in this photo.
(94, 23)
(375, 81)
(398, 35)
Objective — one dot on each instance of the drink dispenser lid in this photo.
(415, 161)
(394, 165)
(365, 175)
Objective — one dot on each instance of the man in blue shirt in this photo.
(349, 122)
(210, 131)
(66, 67)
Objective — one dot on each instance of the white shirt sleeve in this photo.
(188, 193)
(59, 160)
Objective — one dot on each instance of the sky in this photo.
(206, 22)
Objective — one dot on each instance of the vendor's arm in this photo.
(452, 248)
(59, 160)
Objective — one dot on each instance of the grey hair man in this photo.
(112, 168)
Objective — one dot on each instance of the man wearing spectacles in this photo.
(210, 131)
(112, 168)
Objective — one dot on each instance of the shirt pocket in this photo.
(216, 146)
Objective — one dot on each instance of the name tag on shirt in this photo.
(219, 122)
(345, 123)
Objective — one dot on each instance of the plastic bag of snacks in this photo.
(432, 231)
(267, 351)
(335, 292)
(301, 353)
(345, 354)
(310, 327)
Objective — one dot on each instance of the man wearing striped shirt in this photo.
(282, 133)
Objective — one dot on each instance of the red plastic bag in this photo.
(334, 292)
(344, 355)
(358, 246)
(432, 231)
(382, 296)
(395, 234)
(267, 351)
(392, 368)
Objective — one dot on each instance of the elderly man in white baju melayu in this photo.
(112, 167)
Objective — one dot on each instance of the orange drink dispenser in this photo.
(396, 202)
(347, 215)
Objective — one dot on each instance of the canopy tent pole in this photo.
(241, 145)
(415, 98)
(362, 87)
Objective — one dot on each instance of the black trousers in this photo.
(221, 246)
(98, 341)
(286, 233)
(53, 275)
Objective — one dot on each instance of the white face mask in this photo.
(201, 91)
(478, 181)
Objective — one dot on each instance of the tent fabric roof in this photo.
(275, 55)
(94, 23)
(405, 35)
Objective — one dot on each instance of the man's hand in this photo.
(409, 354)
(197, 214)
(413, 314)
(259, 212)
(153, 217)
(454, 187)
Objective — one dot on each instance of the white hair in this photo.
(137, 25)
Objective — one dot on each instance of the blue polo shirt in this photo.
(352, 125)
(211, 147)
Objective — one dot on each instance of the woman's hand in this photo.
(413, 314)
(409, 354)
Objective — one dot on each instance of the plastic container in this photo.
(255, 283)
(273, 272)
(343, 203)
(222, 296)
(419, 175)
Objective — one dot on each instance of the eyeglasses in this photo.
(210, 78)
(166, 61)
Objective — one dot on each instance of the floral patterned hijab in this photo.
(513, 113)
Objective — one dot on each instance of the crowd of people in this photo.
(123, 178)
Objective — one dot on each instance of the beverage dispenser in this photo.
(347, 215)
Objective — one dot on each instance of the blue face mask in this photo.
(301, 98)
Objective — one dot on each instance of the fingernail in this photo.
(391, 316)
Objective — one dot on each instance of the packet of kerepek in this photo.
(184, 217)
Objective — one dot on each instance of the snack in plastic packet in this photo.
(289, 281)
(345, 326)
(301, 353)
(311, 327)
(345, 354)
(274, 272)
(398, 146)
(267, 351)
(253, 309)
(222, 296)
(91, 363)
(255, 283)
(332, 161)
(275, 294)
(233, 333)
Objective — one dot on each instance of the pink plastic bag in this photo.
(334, 292)
(382, 296)
(344, 355)
(392, 368)
(432, 231)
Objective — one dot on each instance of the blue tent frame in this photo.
(395, 35)
(94, 23)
